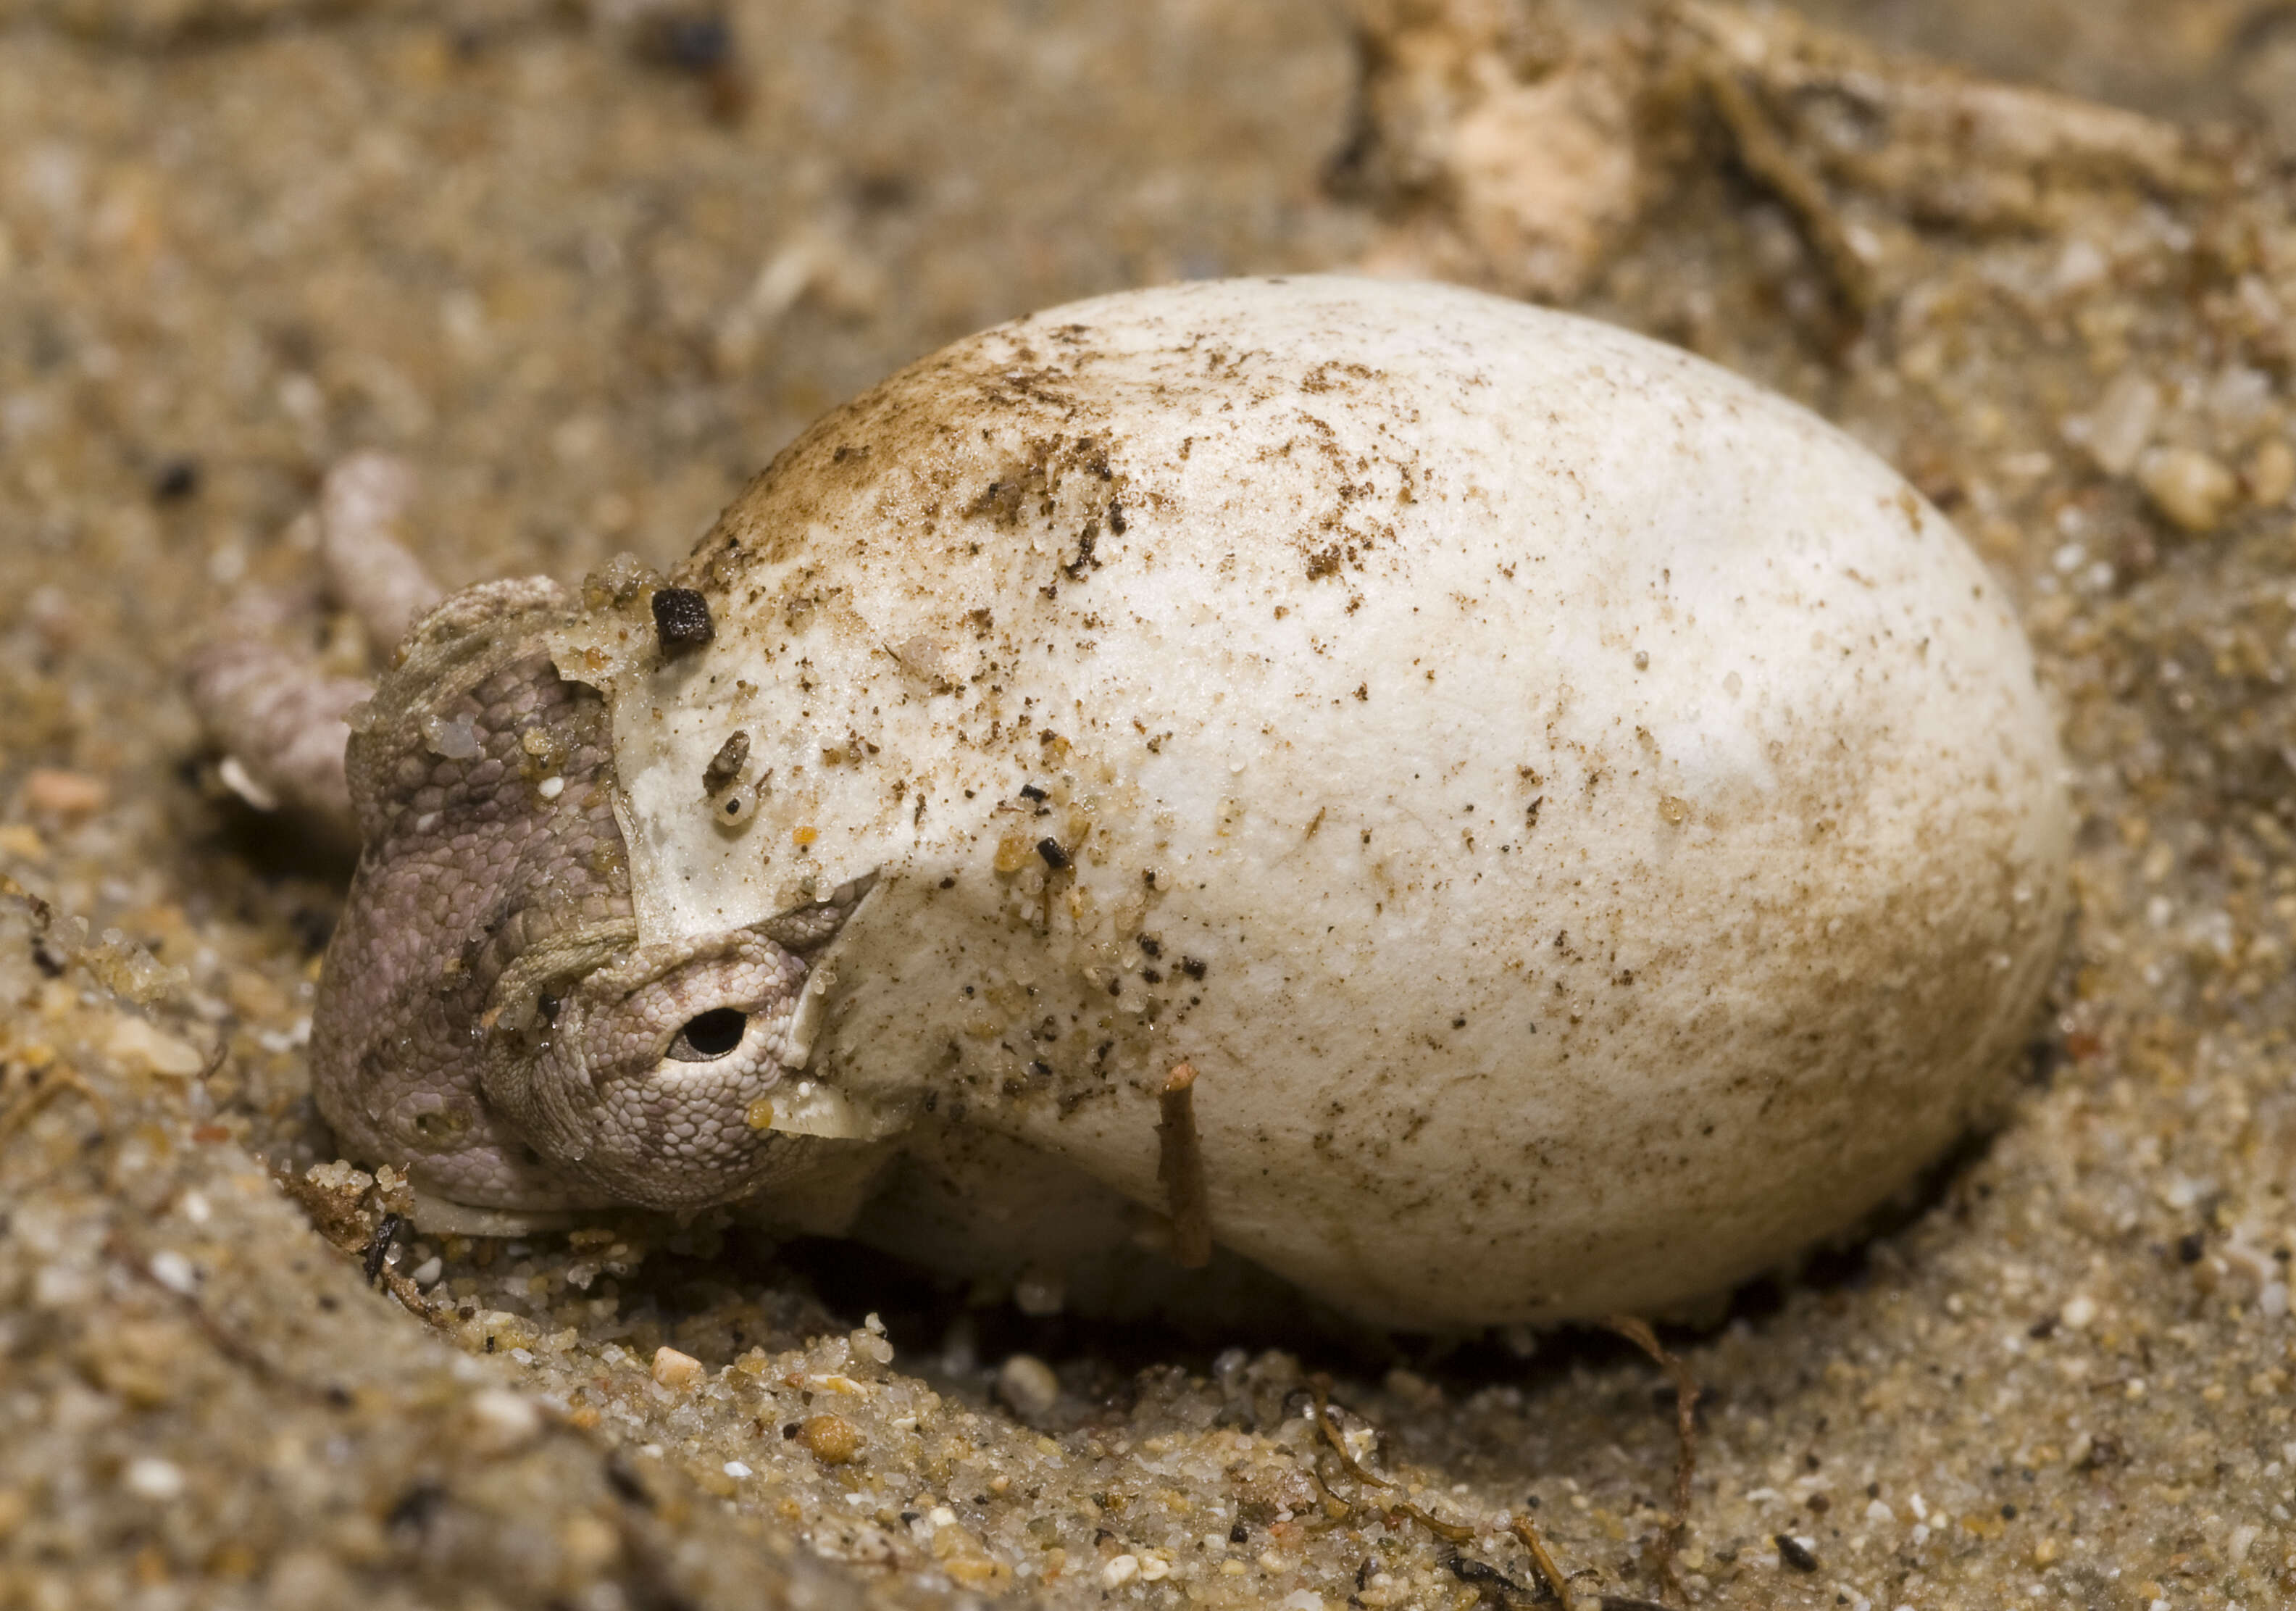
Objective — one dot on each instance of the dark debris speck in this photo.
(415, 1509)
(378, 1247)
(681, 621)
(724, 768)
(688, 42)
(625, 1482)
(176, 481)
(1469, 1570)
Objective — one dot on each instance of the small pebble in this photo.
(2271, 473)
(831, 1438)
(1028, 1385)
(53, 791)
(306, 1579)
(455, 740)
(1797, 1552)
(2188, 486)
(674, 1369)
(174, 1272)
(2123, 422)
(137, 1045)
(153, 1478)
(1039, 1295)
(500, 1421)
(426, 1274)
(2079, 1311)
(589, 1544)
(1119, 1571)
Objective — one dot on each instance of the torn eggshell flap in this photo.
(692, 875)
(875, 758)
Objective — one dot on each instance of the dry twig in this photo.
(1685, 1431)
(1180, 1169)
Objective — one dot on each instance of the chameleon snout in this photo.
(651, 1081)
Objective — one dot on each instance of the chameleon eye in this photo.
(710, 1035)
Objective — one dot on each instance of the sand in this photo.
(588, 269)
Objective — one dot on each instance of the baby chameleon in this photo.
(1591, 828)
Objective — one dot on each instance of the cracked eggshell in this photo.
(1593, 826)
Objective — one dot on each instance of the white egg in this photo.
(1591, 825)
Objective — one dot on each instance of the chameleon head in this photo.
(649, 1079)
(489, 1015)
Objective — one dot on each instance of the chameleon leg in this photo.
(369, 570)
(276, 714)
(278, 719)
